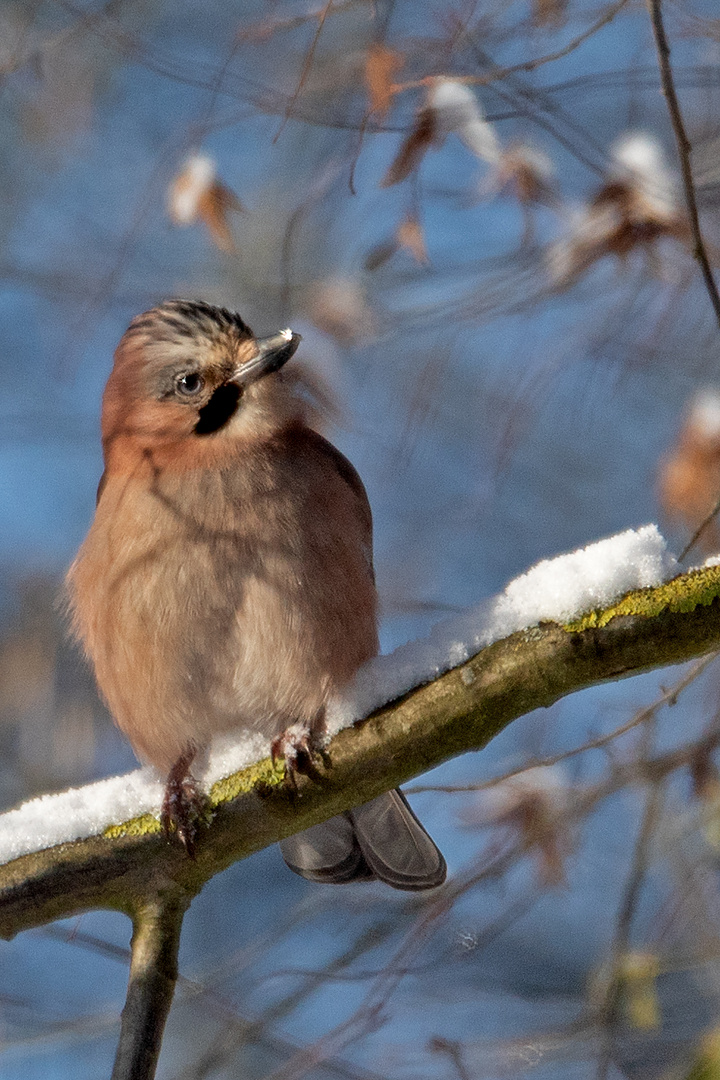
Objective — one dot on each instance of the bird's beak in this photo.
(272, 353)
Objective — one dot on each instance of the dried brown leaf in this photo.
(213, 208)
(378, 255)
(704, 776)
(550, 13)
(410, 236)
(688, 483)
(381, 64)
(413, 148)
(528, 173)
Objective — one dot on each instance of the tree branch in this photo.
(684, 150)
(153, 974)
(461, 710)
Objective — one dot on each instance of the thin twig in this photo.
(153, 974)
(684, 149)
(628, 906)
(307, 64)
(700, 529)
(668, 697)
(319, 189)
(527, 65)
(261, 31)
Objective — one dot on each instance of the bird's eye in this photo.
(191, 384)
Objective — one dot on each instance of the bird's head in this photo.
(187, 376)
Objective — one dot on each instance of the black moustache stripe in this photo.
(220, 408)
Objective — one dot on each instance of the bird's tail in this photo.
(381, 839)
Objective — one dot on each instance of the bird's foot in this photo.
(183, 803)
(302, 749)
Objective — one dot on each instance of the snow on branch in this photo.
(556, 590)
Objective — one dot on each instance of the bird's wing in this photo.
(347, 472)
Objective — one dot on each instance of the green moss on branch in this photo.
(684, 593)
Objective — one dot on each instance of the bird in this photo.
(226, 582)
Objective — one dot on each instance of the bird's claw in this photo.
(300, 748)
(183, 805)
